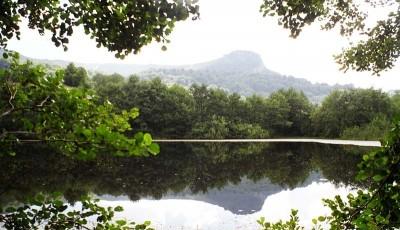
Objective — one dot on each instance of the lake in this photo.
(195, 185)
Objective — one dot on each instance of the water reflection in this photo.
(242, 198)
(238, 179)
(195, 214)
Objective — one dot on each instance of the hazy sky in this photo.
(225, 26)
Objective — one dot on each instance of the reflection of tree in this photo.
(338, 167)
(198, 167)
(287, 165)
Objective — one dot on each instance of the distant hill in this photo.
(235, 62)
(241, 72)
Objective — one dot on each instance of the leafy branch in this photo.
(53, 213)
(43, 110)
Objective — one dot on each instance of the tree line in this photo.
(174, 111)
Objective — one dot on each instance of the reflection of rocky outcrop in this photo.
(243, 198)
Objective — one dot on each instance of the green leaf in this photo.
(87, 133)
(139, 137)
(39, 198)
(101, 130)
(147, 223)
(261, 220)
(134, 113)
(70, 214)
(121, 222)
(58, 203)
(118, 209)
(378, 178)
(314, 221)
(147, 139)
(154, 148)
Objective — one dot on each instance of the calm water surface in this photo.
(196, 185)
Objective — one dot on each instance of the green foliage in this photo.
(289, 113)
(395, 102)
(37, 108)
(377, 52)
(286, 112)
(246, 131)
(375, 130)
(346, 109)
(167, 111)
(120, 26)
(291, 224)
(176, 112)
(294, 15)
(376, 207)
(244, 82)
(299, 113)
(52, 213)
(216, 128)
(219, 128)
(109, 88)
(75, 76)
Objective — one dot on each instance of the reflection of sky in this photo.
(190, 214)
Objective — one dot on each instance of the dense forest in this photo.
(174, 111)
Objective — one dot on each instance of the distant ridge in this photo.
(237, 61)
(241, 72)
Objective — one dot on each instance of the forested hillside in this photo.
(241, 72)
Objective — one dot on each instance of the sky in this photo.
(226, 26)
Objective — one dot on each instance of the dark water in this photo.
(193, 186)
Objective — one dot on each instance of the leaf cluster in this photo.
(291, 224)
(120, 26)
(379, 49)
(43, 212)
(36, 108)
